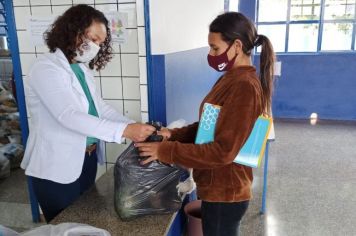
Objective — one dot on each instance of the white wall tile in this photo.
(131, 88)
(143, 70)
(101, 171)
(28, 116)
(131, 10)
(59, 10)
(111, 87)
(144, 98)
(141, 41)
(21, 2)
(25, 92)
(83, 2)
(121, 1)
(26, 62)
(61, 2)
(24, 44)
(42, 49)
(41, 11)
(22, 16)
(29, 123)
(113, 68)
(96, 73)
(98, 85)
(140, 13)
(113, 151)
(25, 88)
(106, 7)
(40, 2)
(104, 1)
(133, 110)
(118, 105)
(144, 117)
(131, 44)
(130, 65)
(116, 47)
(27, 112)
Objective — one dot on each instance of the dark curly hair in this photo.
(70, 28)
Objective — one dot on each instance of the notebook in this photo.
(252, 151)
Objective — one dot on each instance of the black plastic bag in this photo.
(145, 189)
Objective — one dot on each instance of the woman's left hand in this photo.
(148, 150)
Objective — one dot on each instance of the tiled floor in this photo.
(311, 182)
(15, 209)
(311, 185)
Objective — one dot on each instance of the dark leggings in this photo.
(54, 197)
(222, 218)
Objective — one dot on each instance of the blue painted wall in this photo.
(321, 83)
(188, 80)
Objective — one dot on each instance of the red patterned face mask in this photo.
(221, 62)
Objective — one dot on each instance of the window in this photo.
(308, 25)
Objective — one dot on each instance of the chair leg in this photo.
(265, 171)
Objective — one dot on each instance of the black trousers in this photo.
(222, 218)
(54, 197)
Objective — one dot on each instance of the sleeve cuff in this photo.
(165, 151)
(118, 138)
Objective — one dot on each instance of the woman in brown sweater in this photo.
(224, 186)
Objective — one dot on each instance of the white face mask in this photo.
(90, 50)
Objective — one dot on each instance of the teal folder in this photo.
(252, 151)
(207, 124)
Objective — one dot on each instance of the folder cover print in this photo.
(252, 151)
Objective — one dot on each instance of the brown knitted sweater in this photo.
(218, 179)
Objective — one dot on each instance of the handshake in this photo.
(138, 132)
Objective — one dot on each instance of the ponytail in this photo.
(267, 59)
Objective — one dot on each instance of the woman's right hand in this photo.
(138, 132)
(166, 133)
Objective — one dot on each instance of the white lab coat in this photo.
(60, 122)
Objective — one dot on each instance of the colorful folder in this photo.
(207, 124)
(252, 151)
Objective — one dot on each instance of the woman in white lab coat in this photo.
(68, 117)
